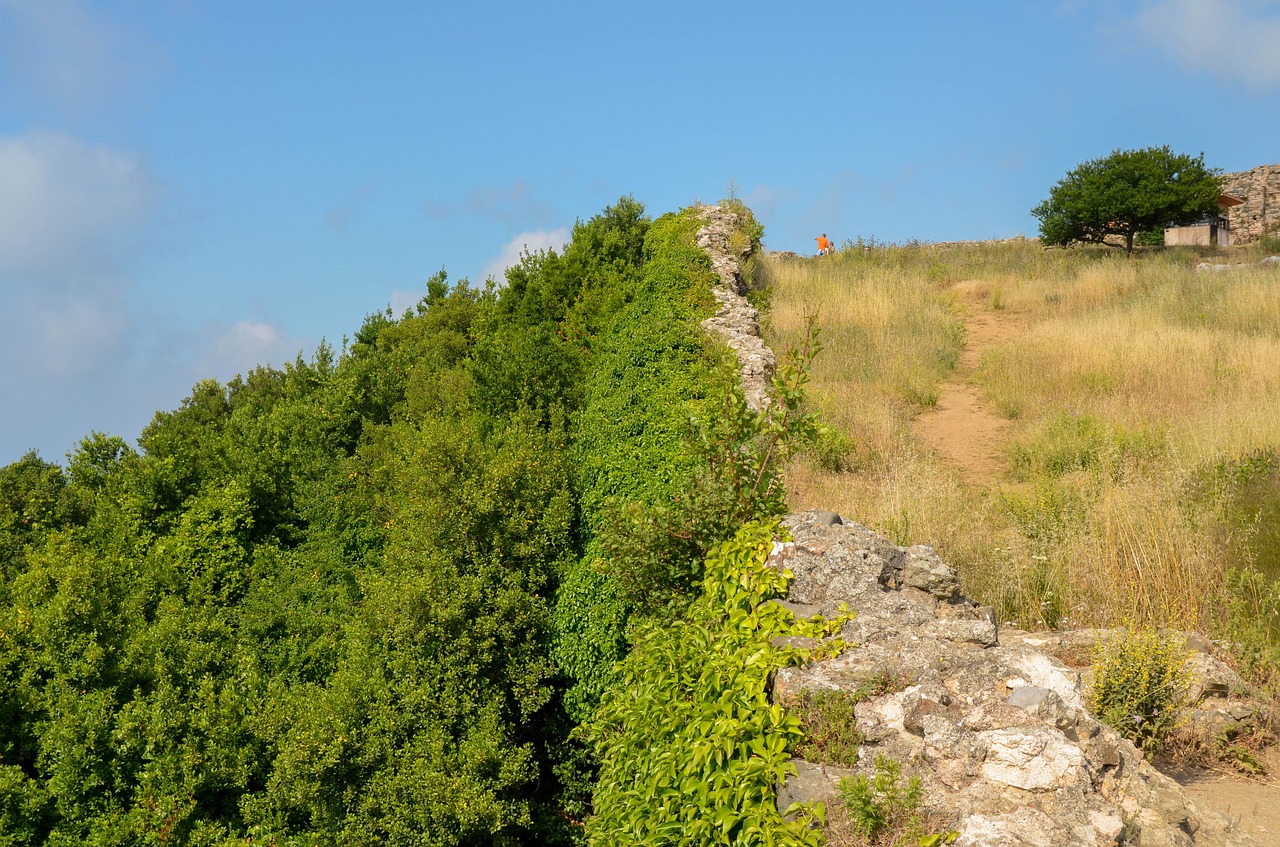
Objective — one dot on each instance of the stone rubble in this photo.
(996, 727)
(1269, 262)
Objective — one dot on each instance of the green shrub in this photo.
(1140, 685)
(883, 811)
(690, 749)
(1244, 494)
(1069, 442)
(656, 550)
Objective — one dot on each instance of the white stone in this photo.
(1045, 672)
(1030, 758)
(1030, 828)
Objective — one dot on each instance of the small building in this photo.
(1212, 231)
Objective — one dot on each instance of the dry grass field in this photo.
(1121, 418)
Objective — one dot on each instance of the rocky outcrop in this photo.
(1260, 190)
(994, 726)
(736, 319)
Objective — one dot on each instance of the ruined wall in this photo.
(1260, 189)
(736, 319)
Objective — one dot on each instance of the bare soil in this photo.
(1252, 801)
(962, 428)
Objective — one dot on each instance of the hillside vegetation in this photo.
(365, 599)
(1139, 477)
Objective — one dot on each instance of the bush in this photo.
(656, 550)
(690, 748)
(1140, 685)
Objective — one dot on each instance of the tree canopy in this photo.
(365, 599)
(1128, 192)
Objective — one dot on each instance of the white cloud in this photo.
(225, 351)
(62, 199)
(1235, 39)
(82, 334)
(403, 301)
(64, 207)
(531, 242)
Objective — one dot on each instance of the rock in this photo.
(1198, 643)
(1211, 677)
(1044, 704)
(924, 570)
(1034, 759)
(993, 725)
(811, 784)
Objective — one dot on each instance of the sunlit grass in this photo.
(1128, 383)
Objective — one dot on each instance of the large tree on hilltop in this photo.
(1126, 193)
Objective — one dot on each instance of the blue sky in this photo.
(189, 188)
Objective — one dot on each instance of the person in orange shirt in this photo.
(824, 245)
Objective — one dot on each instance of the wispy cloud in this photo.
(64, 52)
(512, 204)
(340, 216)
(62, 200)
(766, 201)
(531, 242)
(65, 209)
(226, 350)
(1231, 39)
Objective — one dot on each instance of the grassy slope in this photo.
(1145, 407)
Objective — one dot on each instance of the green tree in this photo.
(1126, 193)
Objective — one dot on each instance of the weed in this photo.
(881, 811)
(831, 733)
(1140, 684)
(1238, 745)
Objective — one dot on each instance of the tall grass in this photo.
(1131, 383)
(889, 338)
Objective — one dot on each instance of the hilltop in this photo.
(500, 570)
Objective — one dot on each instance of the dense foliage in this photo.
(690, 747)
(1126, 193)
(363, 599)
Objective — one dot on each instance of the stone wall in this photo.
(1260, 189)
(735, 319)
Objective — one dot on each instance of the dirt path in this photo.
(1253, 803)
(961, 428)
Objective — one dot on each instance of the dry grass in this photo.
(1128, 379)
